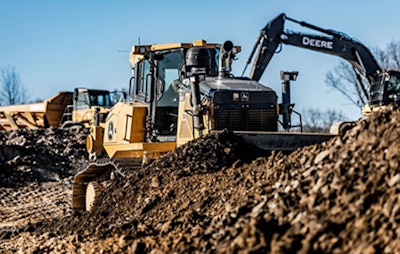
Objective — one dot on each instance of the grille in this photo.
(246, 119)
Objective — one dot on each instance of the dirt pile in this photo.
(28, 156)
(36, 174)
(219, 195)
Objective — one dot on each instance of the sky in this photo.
(59, 45)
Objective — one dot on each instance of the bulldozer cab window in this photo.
(168, 69)
(143, 81)
(168, 89)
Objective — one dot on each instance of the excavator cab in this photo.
(393, 87)
(385, 89)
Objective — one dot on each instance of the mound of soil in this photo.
(41, 155)
(218, 194)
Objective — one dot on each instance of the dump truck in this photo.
(62, 110)
(179, 92)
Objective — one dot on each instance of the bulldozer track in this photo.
(122, 166)
(101, 170)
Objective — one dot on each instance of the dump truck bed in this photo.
(35, 115)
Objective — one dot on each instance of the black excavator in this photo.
(382, 86)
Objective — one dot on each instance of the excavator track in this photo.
(95, 174)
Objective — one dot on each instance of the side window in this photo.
(94, 100)
(83, 102)
(107, 100)
(143, 82)
(100, 100)
(393, 89)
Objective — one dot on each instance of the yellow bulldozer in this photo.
(179, 92)
(62, 110)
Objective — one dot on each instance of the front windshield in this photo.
(393, 89)
(168, 70)
(167, 96)
(100, 99)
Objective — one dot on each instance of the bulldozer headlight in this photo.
(110, 130)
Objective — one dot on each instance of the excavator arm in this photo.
(334, 43)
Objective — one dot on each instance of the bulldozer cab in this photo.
(157, 81)
(157, 86)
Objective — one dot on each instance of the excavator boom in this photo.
(337, 43)
(332, 42)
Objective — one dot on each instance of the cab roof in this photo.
(139, 51)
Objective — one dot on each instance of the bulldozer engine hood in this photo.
(240, 104)
(238, 91)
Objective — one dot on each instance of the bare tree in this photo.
(393, 51)
(12, 91)
(382, 57)
(343, 79)
(319, 121)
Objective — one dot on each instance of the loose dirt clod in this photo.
(216, 194)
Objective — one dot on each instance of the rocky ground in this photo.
(213, 195)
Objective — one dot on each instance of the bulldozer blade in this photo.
(283, 141)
